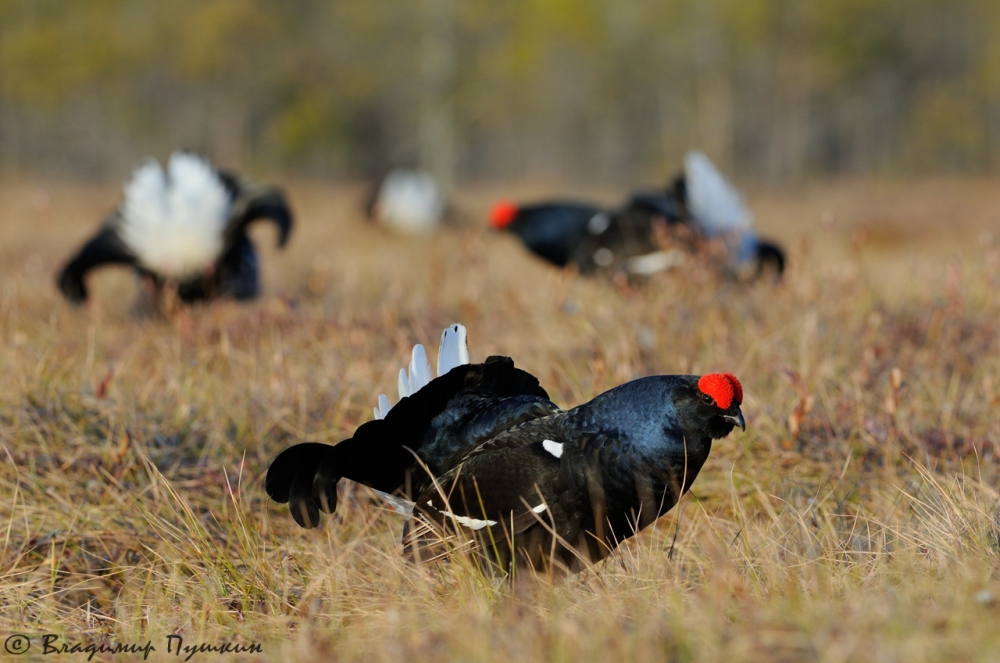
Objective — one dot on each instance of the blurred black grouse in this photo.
(552, 230)
(185, 228)
(594, 238)
(407, 201)
(529, 483)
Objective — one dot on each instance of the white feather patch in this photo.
(554, 448)
(174, 222)
(715, 204)
(453, 352)
(472, 523)
(403, 384)
(410, 202)
(420, 369)
(657, 261)
(397, 504)
(383, 406)
(541, 507)
(454, 349)
(598, 223)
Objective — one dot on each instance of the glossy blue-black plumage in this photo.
(554, 230)
(482, 449)
(623, 459)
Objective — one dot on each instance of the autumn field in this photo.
(855, 520)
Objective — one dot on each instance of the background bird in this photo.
(700, 205)
(551, 230)
(486, 455)
(185, 228)
(713, 208)
(590, 237)
(408, 201)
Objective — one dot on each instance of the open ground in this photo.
(855, 520)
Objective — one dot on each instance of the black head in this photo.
(658, 412)
(711, 403)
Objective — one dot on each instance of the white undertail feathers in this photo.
(174, 222)
(410, 202)
(453, 351)
(715, 204)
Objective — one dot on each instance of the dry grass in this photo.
(856, 520)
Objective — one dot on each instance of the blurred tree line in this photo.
(611, 90)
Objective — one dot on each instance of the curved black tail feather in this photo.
(769, 254)
(254, 202)
(104, 248)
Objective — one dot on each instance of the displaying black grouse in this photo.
(705, 201)
(408, 201)
(481, 454)
(629, 239)
(186, 228)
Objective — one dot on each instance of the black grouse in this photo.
(587, 236)
(551, 230)
(185, 228)
(407, 201)
(630, 239)
(705, 201)
(480, 453)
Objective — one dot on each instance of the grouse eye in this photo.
(708, 400)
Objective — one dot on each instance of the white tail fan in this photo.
(453, 351)
(174, 222)
(420, 369)
(715, 204)
(410, 202)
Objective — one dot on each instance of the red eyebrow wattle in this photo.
(723, 387)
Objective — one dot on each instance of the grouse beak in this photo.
(737, 420)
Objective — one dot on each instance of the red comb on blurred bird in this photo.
(503, 213)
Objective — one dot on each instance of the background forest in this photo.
(594, 90)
